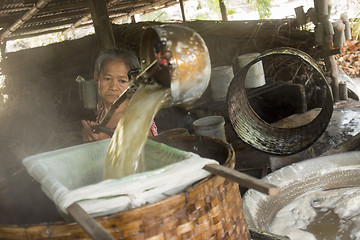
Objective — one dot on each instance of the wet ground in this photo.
(344, 124)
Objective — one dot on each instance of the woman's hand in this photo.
(88, 135)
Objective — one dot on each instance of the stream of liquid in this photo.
(124, 153)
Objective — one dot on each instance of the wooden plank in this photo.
(88, 224)
(243, 179)
(297, 120)
(102, 24)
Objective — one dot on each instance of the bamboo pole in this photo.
(132, 13)
(143, 9)
(330, 61)
(65, 6)
(40, 4)
(87, 18)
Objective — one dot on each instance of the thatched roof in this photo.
(23, 18)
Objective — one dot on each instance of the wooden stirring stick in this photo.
(87, 223)
(243, 179)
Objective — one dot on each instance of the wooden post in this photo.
(2, 49)
(182, 10)
(330, 61)
(331, 64)
(223, 10)
(102, 24)
(242, 179)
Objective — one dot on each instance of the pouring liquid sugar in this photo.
(321, 215)
(124, 153)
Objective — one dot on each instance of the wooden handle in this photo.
(100, 128)
(87, 223)
(114, 106)
(243, 179)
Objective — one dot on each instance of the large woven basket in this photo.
(211, 209)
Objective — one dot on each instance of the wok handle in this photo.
(242, 179)
(101, 128)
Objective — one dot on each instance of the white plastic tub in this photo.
(75, 174)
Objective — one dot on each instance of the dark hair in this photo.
(127, 56)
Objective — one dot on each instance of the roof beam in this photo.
(66, 6)
(35, 33)
(35, 29)
(48, 18)
(115, 12)
(45, 17)
(17, 9)
(40, 4)
(87, 18)
(147, 4)
(144, 9)
(29, 1)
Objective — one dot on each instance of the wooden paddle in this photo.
(87, 223)
(243, 179)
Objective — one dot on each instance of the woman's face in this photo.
(113, 80)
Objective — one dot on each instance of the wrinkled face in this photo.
(112, 81)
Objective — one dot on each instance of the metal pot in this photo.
(181, 61)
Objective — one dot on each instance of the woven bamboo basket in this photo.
(210, 209)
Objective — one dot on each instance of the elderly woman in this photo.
(111, 78)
